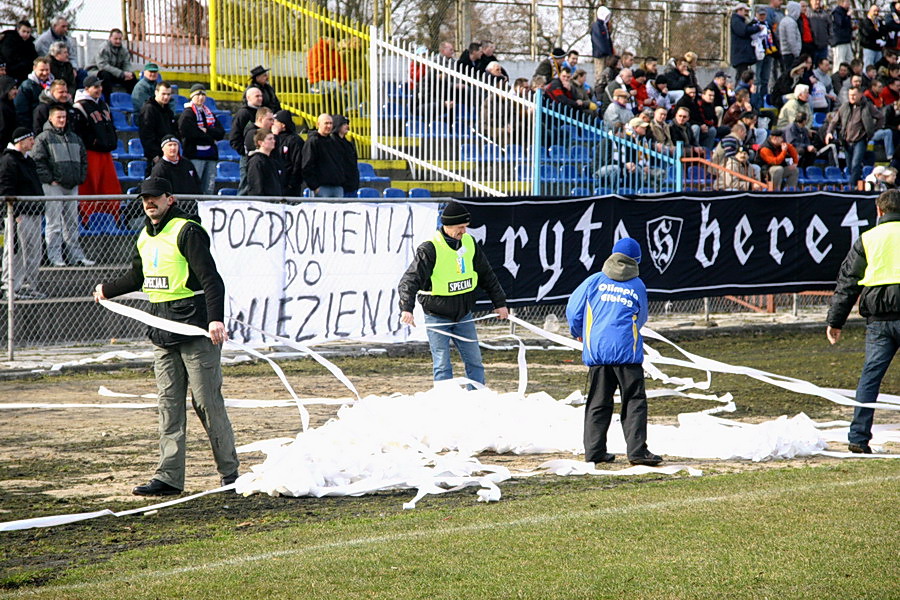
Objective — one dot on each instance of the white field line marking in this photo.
(474, 528)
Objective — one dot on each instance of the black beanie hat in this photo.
(454, 214)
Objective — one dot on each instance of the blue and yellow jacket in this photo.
(607, 311)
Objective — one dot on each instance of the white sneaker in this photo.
(86, 262)
(58, 263)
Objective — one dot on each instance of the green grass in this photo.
(820, 532)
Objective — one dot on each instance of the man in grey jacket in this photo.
(855, 123)
(61, 161)
(790, 41)
(113, 65)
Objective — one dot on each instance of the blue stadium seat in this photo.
(137, 168)
(308, 193)
(226, 152)
(367, 173)
(393, 110)
(626, 191)
(818, 120)
(229, 172)
(393, 192)
(557, 153)
(180, 101)
(492, 153)
(419, 193)
(580, 154)
(570, 173)
(120, 122)
(813, 175)
(549, 173)
(120, 170)
(867, 170)
(647, 190)
(228, 192)
(133, 190)
(514, 152)
(121, 101)
(135, 148)
(367, 192)
(415, 128)
(834, 175)
(469, 152)
(602, 191)
(580, 191)
(226, 120)
(119, 151)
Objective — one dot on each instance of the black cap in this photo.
(454, 214)
(558, 53)
(91, 81)
(258, 70)
(748, 114)
(155, 186)
(197, 88)
(284, 116)
(169, 138)
(21, 133)
(721, 74)
(662, 79)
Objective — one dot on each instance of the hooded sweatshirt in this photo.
(348, 157)
(42, 112)
(93, 123)
(607, 311)
(789, 31)
(29, 95)
(289, 147)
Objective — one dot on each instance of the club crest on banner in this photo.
(663, 235)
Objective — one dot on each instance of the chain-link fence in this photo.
(51, 304)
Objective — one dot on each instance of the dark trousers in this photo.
(108, 80)
(598, 411)
(882, 343)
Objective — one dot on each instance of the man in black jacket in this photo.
(19, 177)
(179, 172)
(348, 155)
(157, 122)
(174, 266)
(253, 101)
(323, 166)
(871, 272)
(259, 78)
(263, 172)
(17, 50)
(8, 119)
(289, 152)
(445, 276)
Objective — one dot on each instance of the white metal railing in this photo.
(449, 125)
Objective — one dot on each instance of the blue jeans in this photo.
(870, 57)
(206, 175)
(329, 191)
(763, 72)
(882, 343)
(469, 352)
(855, 153)
(886, 137)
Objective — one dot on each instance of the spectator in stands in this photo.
(179, 172)
(30, 91)
(617, 114)
(144, 89)
(681, 131)
(891, 93)
(765, 50)
(723, 96)
(60, 66)
(779, 161)
(468, 62)
(822, 73)
(61, 161)
(743, 57)
(263, 120)
(820, 28)
(562, 90)
(839, 77)
(246, 114)
(488, 56)
(263, 173)
(638, 87)
(756, 136)
(659, 130)
(113, 65)
(58, 32)
(200, 129)
(880, 179)
(801, 73)
(8, 119)
(854, 125)
(56, 95)
(326, 72)
(289, 151)
(94, 126)
(855, 81)
(582, 95)
(19, 177)
(873, 94)
(841, 34)
(680, 78)
(790, 42)
(348, 154)
(737, 161)
(621, 82)
(658, 93)
(892, 123)
(495, 72)
(601, 42)
(796, 103)
(774, 15)
(551, 66)
(799, 136)
(740, 106)
(609, 72)
(157, 122)
(708, 129)
(872, 35)
(571, 60)
(322, 161)
(259, 78)
(17, 51)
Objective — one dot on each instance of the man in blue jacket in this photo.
(606, 313)
(743, 56)
(601, 42)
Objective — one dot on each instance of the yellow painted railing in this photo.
(319, 61)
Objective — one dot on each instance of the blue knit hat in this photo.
(628, 247)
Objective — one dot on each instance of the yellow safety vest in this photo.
(166, 270)
(454, 270)
(882, 246)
